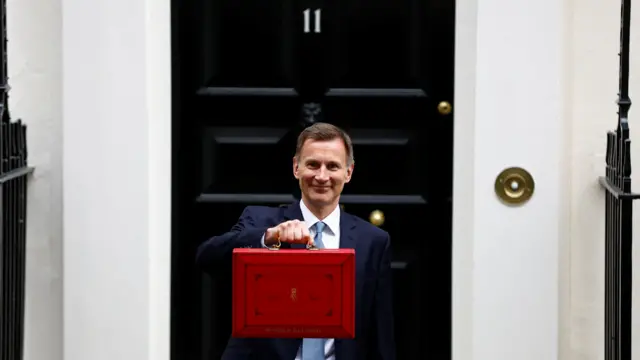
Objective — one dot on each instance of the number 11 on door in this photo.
(316, 21)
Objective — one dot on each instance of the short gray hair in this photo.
(325, 132)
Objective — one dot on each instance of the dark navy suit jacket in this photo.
(374, 312)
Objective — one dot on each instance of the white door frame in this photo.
(117, 161)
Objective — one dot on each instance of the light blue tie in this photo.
(318, 239)
(313, 349)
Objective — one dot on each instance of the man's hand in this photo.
(294, 231)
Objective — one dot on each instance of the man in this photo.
(323, 163)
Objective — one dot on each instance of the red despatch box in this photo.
(294, 293)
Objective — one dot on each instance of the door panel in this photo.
(375, 44)
(249, 43)
(248, 79)
(232, 158)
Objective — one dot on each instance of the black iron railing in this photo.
(13, 211)
(13, 231)
(618, 215)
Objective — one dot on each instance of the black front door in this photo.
(248, 76)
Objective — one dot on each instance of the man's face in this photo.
(322, 170)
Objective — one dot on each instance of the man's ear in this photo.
(295, 167)
(349, 173)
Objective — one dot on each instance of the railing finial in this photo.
(624, 102)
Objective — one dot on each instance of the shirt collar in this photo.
(332, 221)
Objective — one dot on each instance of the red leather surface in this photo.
(294, 293)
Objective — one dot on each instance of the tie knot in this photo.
(319, 227)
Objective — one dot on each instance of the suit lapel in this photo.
(347, 233)
(293, 212)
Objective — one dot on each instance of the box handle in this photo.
(277, 246)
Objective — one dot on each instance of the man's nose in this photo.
(322, 174)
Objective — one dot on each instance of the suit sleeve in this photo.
(384, 307)
(218, 249)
